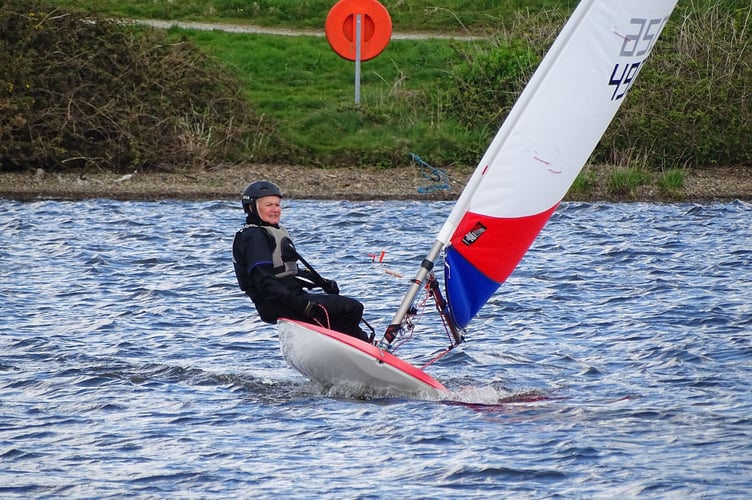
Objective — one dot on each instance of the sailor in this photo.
(265, 261)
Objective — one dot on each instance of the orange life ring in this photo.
(375, 31)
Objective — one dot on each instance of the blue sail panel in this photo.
(466, 287)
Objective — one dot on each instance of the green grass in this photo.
(301, 84)
(624, 180)
(671, 182)
(584, 183)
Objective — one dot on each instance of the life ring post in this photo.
(358, 30)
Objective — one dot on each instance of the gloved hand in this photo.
(330, 287)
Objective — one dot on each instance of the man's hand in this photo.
(330, 287)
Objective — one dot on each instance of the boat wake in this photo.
(493, 395)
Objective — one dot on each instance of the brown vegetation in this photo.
(80, 93)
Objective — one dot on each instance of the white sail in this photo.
(564, 110)
(541, 147)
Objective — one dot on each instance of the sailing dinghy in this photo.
(526, 171)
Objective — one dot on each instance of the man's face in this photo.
(269, 209)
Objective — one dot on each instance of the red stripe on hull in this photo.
(376, 353)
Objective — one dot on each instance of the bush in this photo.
(486, 85)
(691, 103)
(81, 92)
(689, 107)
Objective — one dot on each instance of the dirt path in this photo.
(250, 28)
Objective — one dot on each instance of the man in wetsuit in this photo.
(265, 262)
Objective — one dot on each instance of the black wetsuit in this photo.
(278, 292)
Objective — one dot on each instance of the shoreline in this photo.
(356, 184)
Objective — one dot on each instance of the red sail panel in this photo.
(494, 245)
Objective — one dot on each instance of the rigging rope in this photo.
(416, 312)
(439, 177)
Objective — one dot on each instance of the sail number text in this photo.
(637, 44)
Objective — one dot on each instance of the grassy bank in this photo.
(690, 106)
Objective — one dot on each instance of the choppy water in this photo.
(616, 362)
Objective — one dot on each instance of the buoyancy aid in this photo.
(284, 255)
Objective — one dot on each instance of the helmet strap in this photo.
(249, 207)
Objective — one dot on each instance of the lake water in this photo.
(615, 362)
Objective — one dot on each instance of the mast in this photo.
(426, 266)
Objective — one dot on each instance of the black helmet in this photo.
(256, 190)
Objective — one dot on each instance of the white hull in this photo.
(343, 363)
